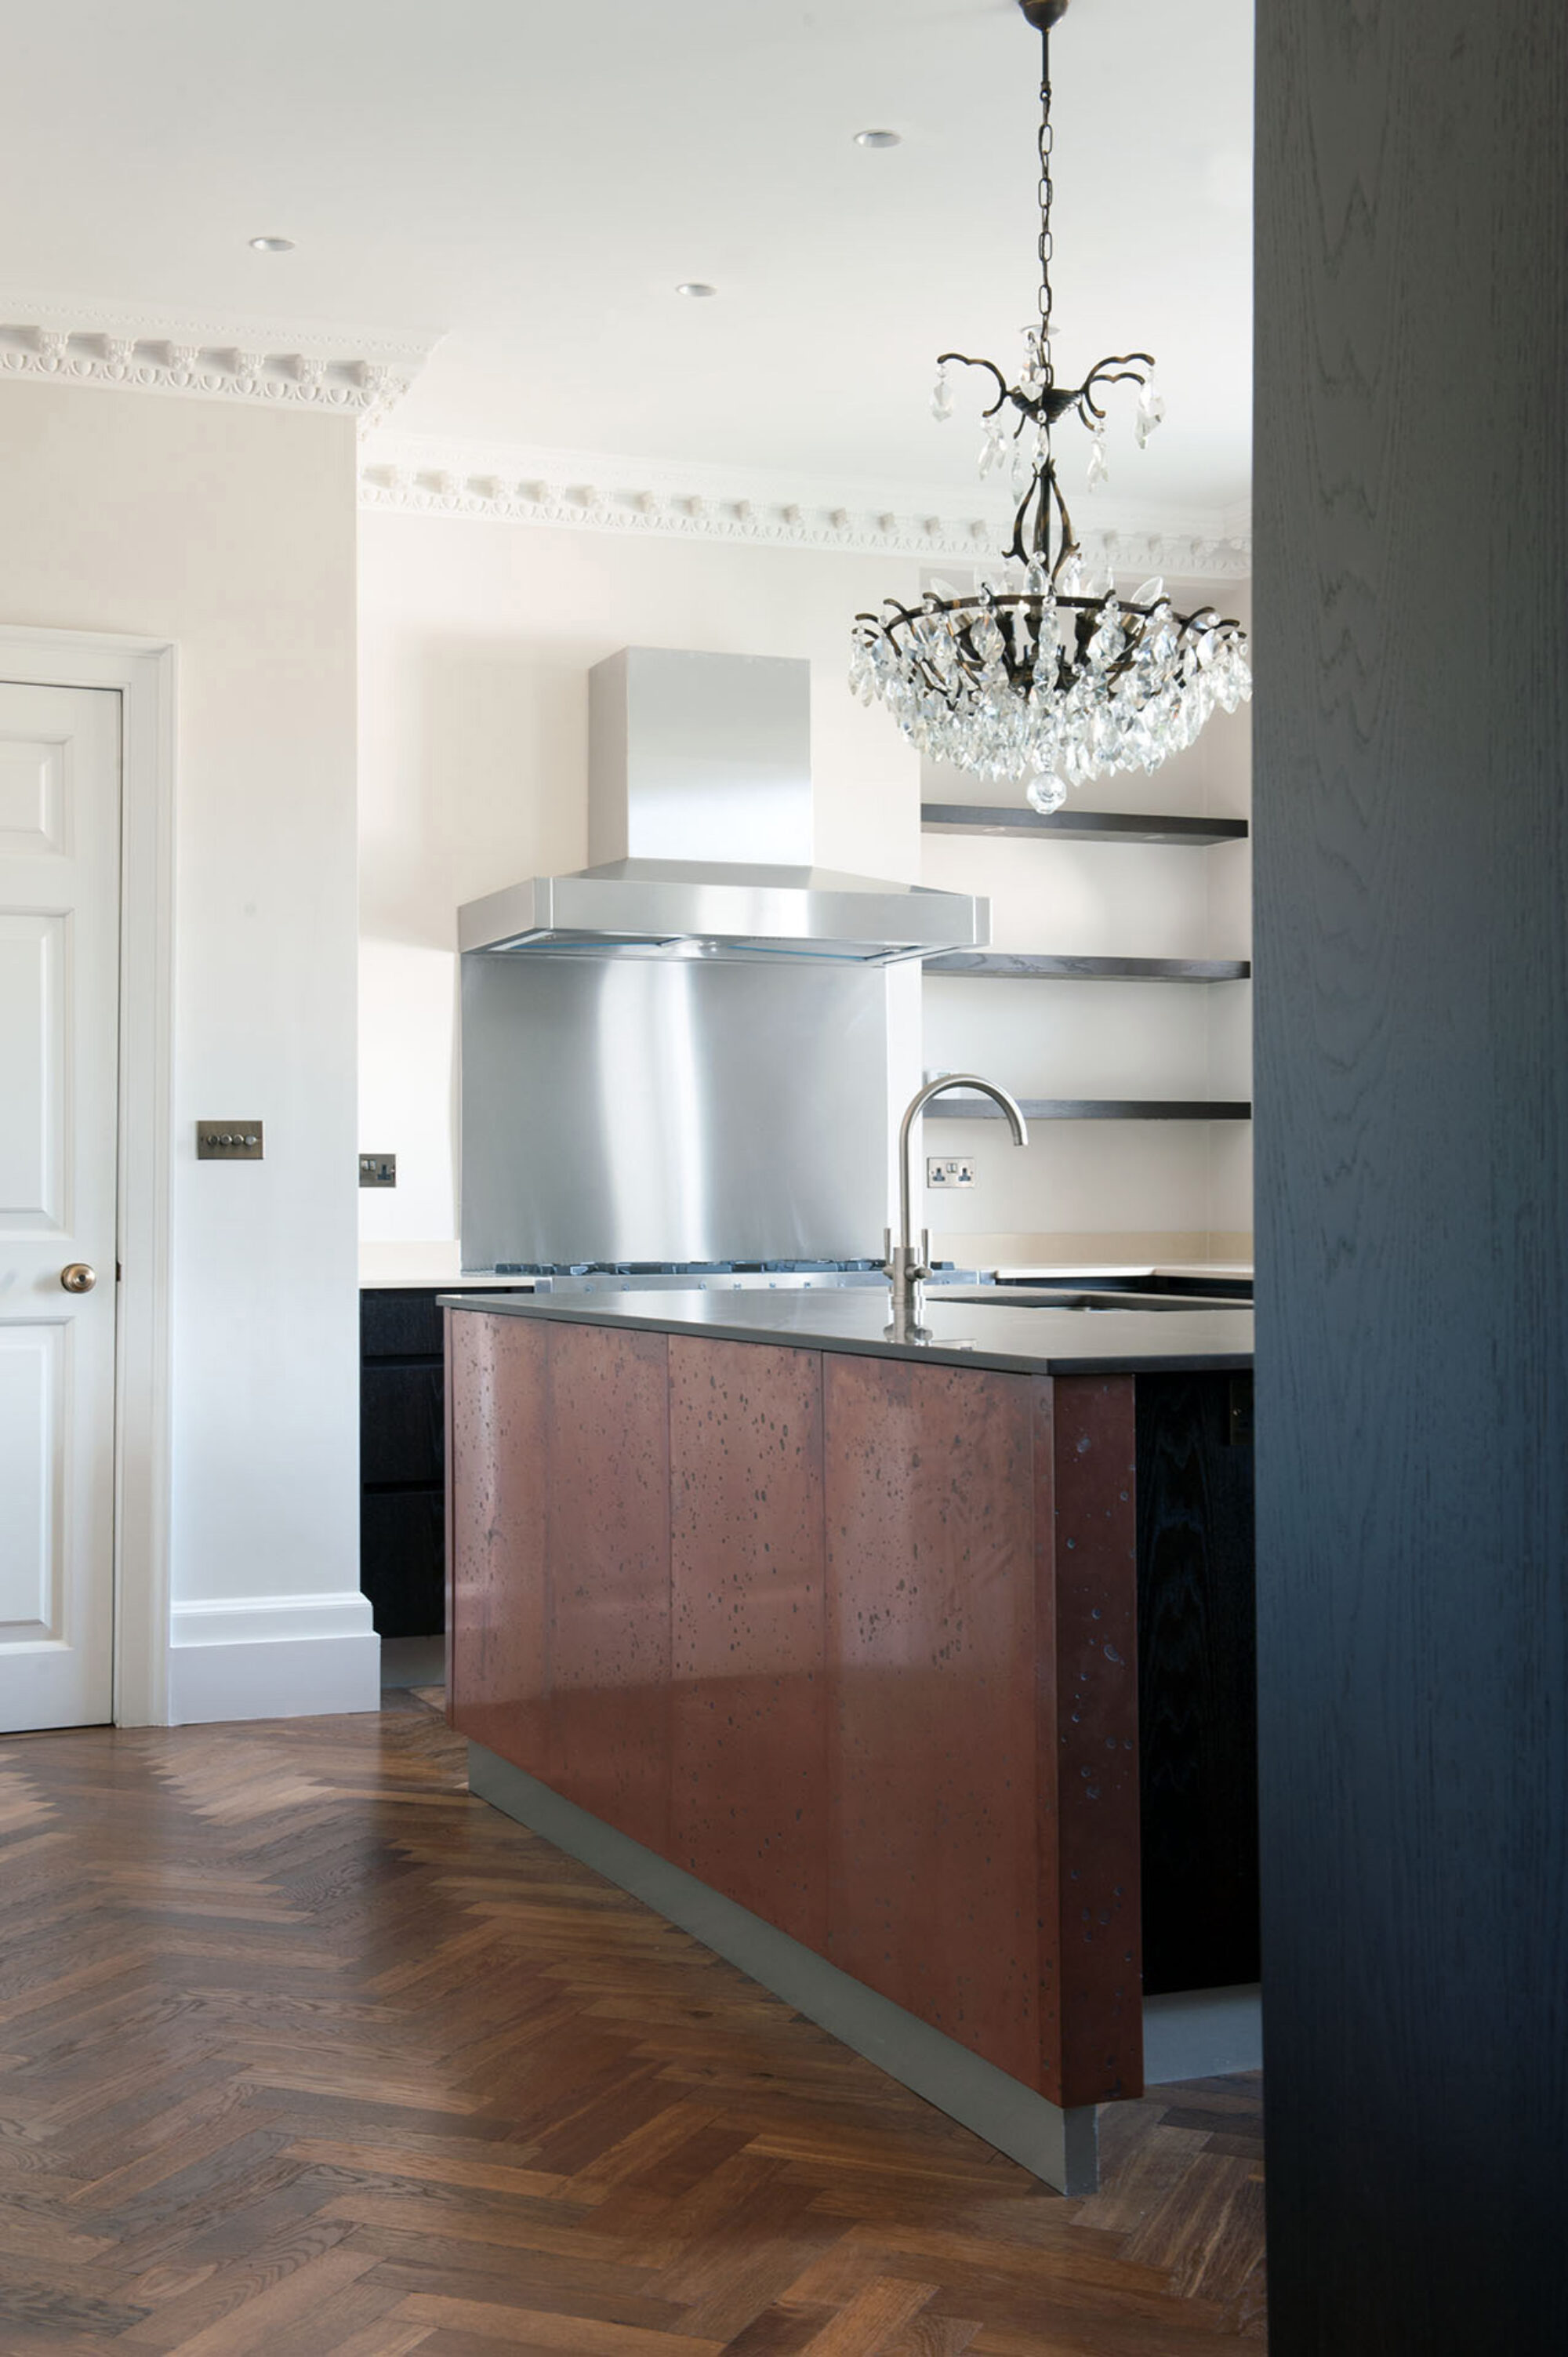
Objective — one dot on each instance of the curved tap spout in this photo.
(908, 1267)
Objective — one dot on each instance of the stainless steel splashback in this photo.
(701, 1110)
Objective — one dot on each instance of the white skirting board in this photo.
(273, 1657)
(1059, 2147)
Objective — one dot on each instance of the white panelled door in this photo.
(59, 988)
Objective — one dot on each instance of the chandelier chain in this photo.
(1047, 191)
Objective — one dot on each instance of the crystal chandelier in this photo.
(1044, 674)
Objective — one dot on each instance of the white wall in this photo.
(1136, 1189)
(476, 640)
(231, 530)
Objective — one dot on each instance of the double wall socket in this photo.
(949, 1170)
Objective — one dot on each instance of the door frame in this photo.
(143, 671)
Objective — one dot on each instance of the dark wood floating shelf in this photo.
(1079, 826)
(960, 1107)
(1020, 966)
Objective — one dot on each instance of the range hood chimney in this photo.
(699, 828)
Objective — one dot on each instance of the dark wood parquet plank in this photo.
(777, 2332)
(304, 2052)
(865, 2326)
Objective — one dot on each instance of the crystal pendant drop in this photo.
(1099, 465)
(1047, 645)
(1045, 794)
(1151, 412)
(941, 398)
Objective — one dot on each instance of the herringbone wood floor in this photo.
(304, 2052)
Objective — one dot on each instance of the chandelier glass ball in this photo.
(1043, 674)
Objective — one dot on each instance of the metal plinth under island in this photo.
(827, 1647)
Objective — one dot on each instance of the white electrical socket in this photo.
(949, 1170)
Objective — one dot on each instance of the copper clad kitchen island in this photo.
(844, 1633)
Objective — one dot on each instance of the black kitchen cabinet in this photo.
(1197, 1681)
(402, 1460)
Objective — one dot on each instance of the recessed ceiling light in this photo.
(696, 288)
(877, 139)
(271, 245)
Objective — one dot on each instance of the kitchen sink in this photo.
(1047, 1296)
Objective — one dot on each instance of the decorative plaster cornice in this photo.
(314, 366)
(593, 491)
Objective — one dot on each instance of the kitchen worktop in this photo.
(966, 1334)
(428, 1282)
(1082, 1272)
(432, 1266)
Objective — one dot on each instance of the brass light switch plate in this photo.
(229, 1141)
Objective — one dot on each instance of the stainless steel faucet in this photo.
(906, 1268)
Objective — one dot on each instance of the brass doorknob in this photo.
(77, 1277)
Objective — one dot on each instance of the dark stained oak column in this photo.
(748, 1777)
(1411, 820)
(932, 1875)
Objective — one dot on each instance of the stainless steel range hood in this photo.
(700, 825)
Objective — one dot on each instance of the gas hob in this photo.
(714, 1277)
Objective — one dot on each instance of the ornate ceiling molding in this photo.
(313, 367)
(593, 491)
(366, 373)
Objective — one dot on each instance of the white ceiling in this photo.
(532, 180)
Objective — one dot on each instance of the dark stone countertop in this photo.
(968, 1333)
